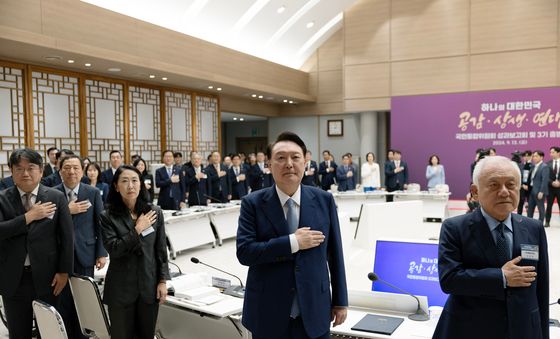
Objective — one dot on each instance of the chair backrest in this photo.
(49, 321)
(90, 309)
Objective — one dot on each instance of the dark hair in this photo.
(65, 151)
(529, 152)
(345, 155)
(51, 149)
(539, 152)
(28, 154)
(286, 136)
(492, 149)
(555, 148)
(137, 161)
(71, 156)
(167, 151)
(235, 156)
(371, 154)
(177, 154)
(116, 205)
(327, 151)
(114, 151)
(396, 151)
(94, 164)
(430, 159)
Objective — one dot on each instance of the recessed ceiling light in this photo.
(114, 69)
(234, 118)
(53, 58)
(218, 89)
(260, 96)
(310, 24)
(210, 87)
(291, 102)
(281, 9)
(285, 100)
(152, 76)
(70, 61)
(254, 95)
(164, 78)
(87, 64)
(241, 119)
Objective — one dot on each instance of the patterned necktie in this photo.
(502, 248)
(292, 219)
(27, 201)
(72, 196)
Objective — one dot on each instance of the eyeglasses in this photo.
(30, 170)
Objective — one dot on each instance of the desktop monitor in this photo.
(411, 266)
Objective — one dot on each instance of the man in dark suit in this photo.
(553, 183)
(525, 168)
(289, 237)
(259, 174)
(327, 170)
(494, 264)
(387, 165)
(237, 178)
(346, 175)
(50, 167)
(36, 242)
(6, 182)
(116, 160)
(54, 179)
(196, 182)
(538, 185)
(311, 173)
(168, 179)
(396, 174)
(85, 205)
(217, 175)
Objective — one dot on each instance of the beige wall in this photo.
(407, 47)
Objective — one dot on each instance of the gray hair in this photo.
(493, 160)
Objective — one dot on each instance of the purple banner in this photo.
(454, 125)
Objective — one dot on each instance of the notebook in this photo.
(378, 324)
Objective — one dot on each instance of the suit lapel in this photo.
(308, 208)
(15, 198)
(481, 233)
(42, 194)
(272, 209)
(520, 234)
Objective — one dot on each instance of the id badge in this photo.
(530, 252)
(148, 231)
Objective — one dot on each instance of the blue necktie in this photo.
(292, 219)
(502, 248)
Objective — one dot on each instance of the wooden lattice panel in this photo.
(207, 125)
(11, 115)
(145, 123)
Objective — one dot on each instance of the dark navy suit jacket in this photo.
(258, 179)
(238, 189)
(197, 189)
(107, 176)
(220, 186)
(170, 194)
(274, 272)
(88, 243)
(478, 305)
(52, 180)
(345, 183)
(395, 181)
(311, 180)
(540, 181)
(327, 179)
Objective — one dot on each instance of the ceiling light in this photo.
(285, 100)
(210, 87)
(152, 76)
(234, 118)
(260, 96)
(254, 95)
(70, 61)
(241, 119)
(291, 102)
(281, 9)
(218, 89)
(164, 78)
(310, 24)
(53, 58)
(114, 69)
(87, 64)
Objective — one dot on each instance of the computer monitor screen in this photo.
(411, 266)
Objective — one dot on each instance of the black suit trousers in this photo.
(296, 330)
(553, 192)
(134, 321)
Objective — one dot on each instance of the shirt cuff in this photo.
(504, 279)
(293, 243)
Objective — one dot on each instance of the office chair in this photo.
(91, 312)
(49, 321)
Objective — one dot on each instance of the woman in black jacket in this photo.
(146, 178)
(134, 235)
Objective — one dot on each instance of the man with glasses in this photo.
(36, 242)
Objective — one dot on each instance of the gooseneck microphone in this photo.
(196, 261)
(554, 303)
(419, 315)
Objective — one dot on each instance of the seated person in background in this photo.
(327, 170)
(217, 175)
(196, 182)
(435, 172)
(311, 174)
(147, 178)
(168, 179)
(345, 175)
(237, 179)
(370, 173)
(93, 173)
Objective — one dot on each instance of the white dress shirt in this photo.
(296, 197)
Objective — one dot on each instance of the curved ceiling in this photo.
(286, 32)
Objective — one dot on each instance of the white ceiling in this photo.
(255, 27)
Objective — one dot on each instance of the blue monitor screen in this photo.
(410, 266)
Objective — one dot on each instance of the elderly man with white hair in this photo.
(494, 263)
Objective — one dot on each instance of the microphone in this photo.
(554, 303)
(212, 198)
(196, 261)
(419, 315)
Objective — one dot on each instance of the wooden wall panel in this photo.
(330, 53)
(330, 87)
(367, 32)
(521, 69)
(25, 15)
(501, 25)
(429, 28)
(363, 105)
(367, 81)
(430, 76)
